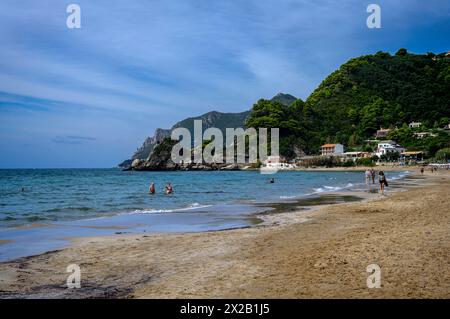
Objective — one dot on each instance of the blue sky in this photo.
(88, 97)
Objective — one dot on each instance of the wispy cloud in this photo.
(74, 140)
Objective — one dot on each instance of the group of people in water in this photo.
(168, 189)
(370, 174)
(434, 169)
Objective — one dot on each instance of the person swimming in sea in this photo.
(169, 189)
(272, 180)
(151, 189)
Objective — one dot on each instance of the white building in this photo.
(414, 124)
(423, 134)
(332, 149)
(387, 147)
(355, 155)
(275, 163)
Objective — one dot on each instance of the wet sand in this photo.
(321, 252)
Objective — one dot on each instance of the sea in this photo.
(40, 209)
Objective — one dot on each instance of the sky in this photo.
(88, 97)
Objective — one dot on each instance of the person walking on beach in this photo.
(383, 181)
(151, 189)
(169, 189)
(421, 170)
(372, 174)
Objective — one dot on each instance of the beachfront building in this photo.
(388, 147)
(415, 124)
(382, 132)
(355, 155)
(277, 163)
(411, 157)
(332, 149)
(272, 160)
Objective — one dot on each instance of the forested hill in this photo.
(383, 90)
(364, 94)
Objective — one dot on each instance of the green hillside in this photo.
(361, 96)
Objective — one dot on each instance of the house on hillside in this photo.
(382, 132)
(423, 134)
(332, 149)
(388, 147)
(415, 124)
(447, 127)
(355, 155)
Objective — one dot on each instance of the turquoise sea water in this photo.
(39, 208)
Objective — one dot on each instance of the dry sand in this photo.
(321, 253)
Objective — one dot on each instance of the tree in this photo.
(401, 52)
(443, 155)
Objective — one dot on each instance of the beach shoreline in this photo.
(319, 252)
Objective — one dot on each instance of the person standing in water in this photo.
(372, 174)
(383, 181)
(367, 175)
(169, 189)
(151, 189)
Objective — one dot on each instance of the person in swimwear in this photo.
(169, 189)
(368, 176)
(383, 181)
(372, 173)
(151, 189)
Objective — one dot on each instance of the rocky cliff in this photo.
(211, 119)
(143, 152)
(143, 160)
(160, 160)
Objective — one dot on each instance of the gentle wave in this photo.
(401, 175)
(159, 211)
(331, 188)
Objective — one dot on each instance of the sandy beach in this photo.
(318, 253)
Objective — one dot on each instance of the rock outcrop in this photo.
(160, 160)
(211, 119)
